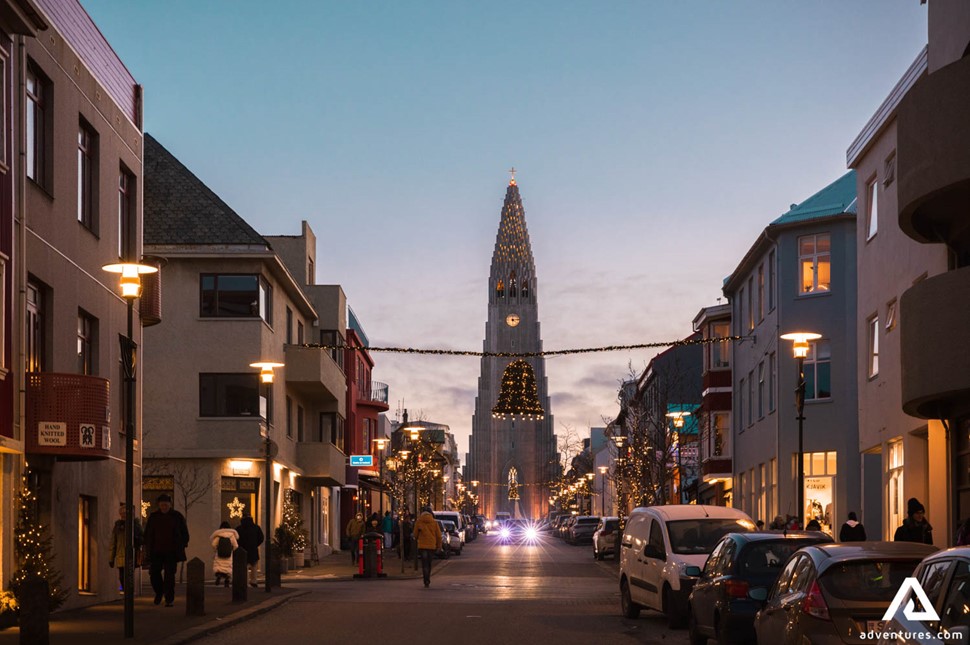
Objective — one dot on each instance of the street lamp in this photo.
(130, 289)
(589, 491)
(381, 444)
(677, 418)
(800, 346)
(603, 470)
(266, 378)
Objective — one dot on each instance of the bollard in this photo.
(34, 601)
(195, 588)
(273, 570)
(239, 575)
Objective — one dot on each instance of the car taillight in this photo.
(814, 603)
(736, 588)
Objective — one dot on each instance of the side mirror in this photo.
(758, 593)
(692, 571)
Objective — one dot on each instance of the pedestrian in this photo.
(915, 528)
(852, 530)
(373, 524)
(428, 535)
(250, 538)
(777, 524)
(387, 526)
(355, 528)
(813, 526)
(224, 540)
(760, 525)
(116, 555)
(396, 532)
(407, 528)
(963, 534)
(166, 536)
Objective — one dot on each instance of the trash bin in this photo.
(370, 556)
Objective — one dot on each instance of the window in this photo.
(741, 391)
(872, 208)
(761, 389)
(333, 338)
(720, 422)
(896, 500)
(720, 352)
(761, 293)
(873, 346)
(366, 446)
(87, 171)
(289, 417)
(750, 312)
(513, 286)
(289, 326)
(772, 378)
(771, 281)
(332, 428)
(38, 125)
(236, 296)
(299, 332)
(300, 432)
(762, 492)
(772, 489)
(741, 310)
(87, 335)
(956, 606)
(311, 275)
(889, 172)
(4, 105)
(36, 328)
(500, 289)
(891, 315)
(85, 544)
(229, 395)
(750, 396)
(656, 539)
(815, 263)
(818, 371)
(126, 215)
(3, 310)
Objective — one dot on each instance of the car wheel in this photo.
(693, 634)
(628, 608)
(675, 618)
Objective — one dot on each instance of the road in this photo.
(491, 594)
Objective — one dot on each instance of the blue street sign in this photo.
(361, 460)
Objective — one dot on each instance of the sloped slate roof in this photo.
(836, 198)
(180, 209)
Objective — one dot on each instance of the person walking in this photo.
(428, 535)
(166, 536)
(116, 554)
(777, 524)
(387, 526)
(852, 530)
(915, 528)
(963, 534)
(250, 538)
(355, 528)
(406, 529)
(224, 540)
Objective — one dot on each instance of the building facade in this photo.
(512, 455)
(800, 275)
(715, 484)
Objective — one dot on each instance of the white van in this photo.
(662, 551)
(453, 516)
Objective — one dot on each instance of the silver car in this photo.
(604, 539)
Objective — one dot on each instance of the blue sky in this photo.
(654, 141)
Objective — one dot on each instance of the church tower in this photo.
(511, 458)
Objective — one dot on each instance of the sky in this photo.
(653, 141)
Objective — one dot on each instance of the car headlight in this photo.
(531, 533)
(505, 533)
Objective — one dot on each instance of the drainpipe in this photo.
(20, 253)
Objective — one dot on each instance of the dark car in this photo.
(581, 531)
(834, 593)
(720, 605)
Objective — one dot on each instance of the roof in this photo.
(841, 551)
(694, 511)
(180, 209)
(835, 199)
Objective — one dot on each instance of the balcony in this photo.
(313, 373)
(375, 395)
(933, 157)
(68, 416)
(934, 352)
(321, 462)
(716, 468)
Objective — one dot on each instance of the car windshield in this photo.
(699, 536)
(867, 580)
(588, 520)
(449, 526)
(765, 559)
(611, 525)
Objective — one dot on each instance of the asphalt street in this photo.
(491, 594)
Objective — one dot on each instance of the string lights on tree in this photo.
(519, 396)
(33, 549)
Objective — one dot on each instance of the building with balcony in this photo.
(233, 297)
(716, 477)
(799, 275)
(70, 185)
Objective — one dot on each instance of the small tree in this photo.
(290, 534)
(33, 549)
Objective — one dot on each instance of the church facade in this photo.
(513, 459)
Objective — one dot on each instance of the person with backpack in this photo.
(224, 540)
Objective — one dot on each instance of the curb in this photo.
(195, 633)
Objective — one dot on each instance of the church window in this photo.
(513, 287)
(500, 289)
(525, 288)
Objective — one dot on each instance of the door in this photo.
(704, 596)
(654, 558)
(772, 621)
(631, 556)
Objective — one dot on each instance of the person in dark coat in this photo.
(250, 538)
(406, 526)
(915, 528)
(852, 530)
(166, 536)
(814, 525)
(963, 534)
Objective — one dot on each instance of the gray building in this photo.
(799, 275)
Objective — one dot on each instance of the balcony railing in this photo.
(375, 392)
(68, 416)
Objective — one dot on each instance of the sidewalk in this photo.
(159, 625)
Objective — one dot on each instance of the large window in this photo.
(236, 296)
(38, 125)
(720, 427)
(720, 352)
(126, 211)
(87, 337)
(873, 346)
(771, 281)
(300, 436)
(818, 371)
(750, 312)
(333, 339)
(896, 501)
(36, 328)
(332, 428)
(741, 310)
(872, 209)
(761, 389)
(85, 543)
(815, 263)
(87, 172)
(761, 293)
(772, 378)
(741, 391)
(229, 395)
(750, 395)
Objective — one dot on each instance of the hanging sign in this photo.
(361, 460)
(51, 433)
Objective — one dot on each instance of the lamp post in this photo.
(401, 465)
(677, 418)
(800, 348)
(474, 483)
(130, 290)
(381, 444)
(589, 491)
(603, 470)
(266, 377)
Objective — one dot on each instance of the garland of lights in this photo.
(557, 352)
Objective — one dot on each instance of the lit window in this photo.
(873, 363)
(815, 263)
(872, 208)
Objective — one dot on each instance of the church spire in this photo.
(513, 251)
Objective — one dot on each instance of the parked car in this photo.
(834, 593)
(662, 551)
(501, 518)
(563, 529)
(471, 531)
(945, 578)
(518, 531)
(481, 523)
(456, 517)
(582, 529)
(449, 529)
(445, 541)
(604, 539)
(721, 606)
